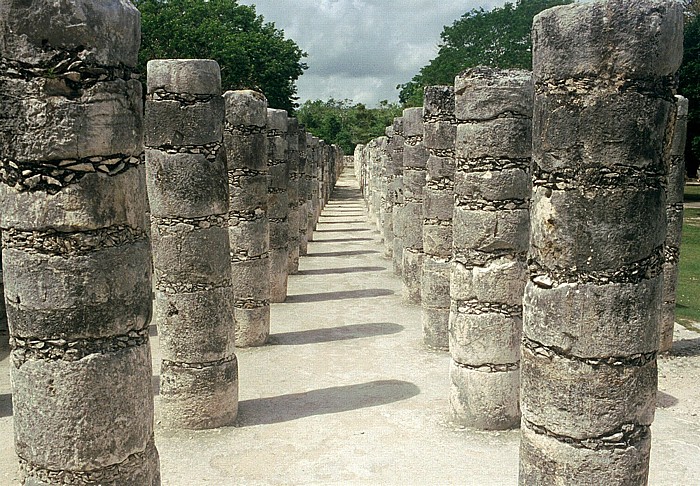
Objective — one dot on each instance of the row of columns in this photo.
(552, 209)
(84, 270)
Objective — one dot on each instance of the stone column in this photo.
(76, 255)
(188, 194)
(397, 197)
(490, 241)
(312, 158)
(245, 140)
(674, 215)
(293, 194)
(415, 157)
(386, 215)
(278, 202)
(304, 188)
(4, 329)
(603, 75)
(439, 138)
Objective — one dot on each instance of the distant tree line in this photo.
(252, 53)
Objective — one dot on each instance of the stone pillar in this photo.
(490, 221)
(386, 215)
(304, 188)
(397, 197)
(76, 255)
(4, 329)
(415, 157)
(188, 194)
(439, 138)
(312, 178)
(603, 75)
(245, 140)
(674, 215)
(293, 194)
(278, 202)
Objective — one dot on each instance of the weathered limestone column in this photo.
(304, 188)
(674, 216)
(603, 75)
(490, 241)
(439, 138)
(312, 161)
(415, 157)
(4, 329)
(278, 202)
(245, 140)
(293, 194)
(386, 208)
(397, 197)
(188, 194)
(76, 254)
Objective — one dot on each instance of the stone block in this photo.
(413, 122)
(502, 138)
(484, 93)
(438, 203)
(589, 400)
(484, 401)
(484, 338)
(595, 321)
(97, 295)
(277, 205)
(250, 279)
(250, 238)
(493, 185)
(412, 271)
(108, 31)
(491, 231)
(46, 121)
(186, 185)
(278, 274)
(279, 234)
(171, 123)
(182, 255)
(246, 108)
(415, 156)
(647, 37)
(252, 326)
(246, 150)
(414, 184)
(191, 76)
(195, 327)
(199, 397)
(596, 229)
(248, 193)
(435, 283)
(435, 321)
(501, 280)
(440, 135)
(72, 397)
(547, 460)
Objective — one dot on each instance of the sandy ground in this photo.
(346, 393)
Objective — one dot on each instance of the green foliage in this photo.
(499, 38)
(347, 124)
(689, 83)
(252, 54)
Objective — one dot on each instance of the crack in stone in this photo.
(210, 150)
(554, 352)
(241, 255)
(168, 364)
(59, 349)
(478, 307)
(635, 272)
(466, 202)
(185, 99)
(627, 435)
(171, 288)
(106, 475)
(186, 225)
(56, 243)
(236, 216)
(250, 303)
(491, 164)
(245, 129)
(489, 367)
(656, 87)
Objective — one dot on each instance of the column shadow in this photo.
(6, 405)
(341, 253)
(332, 334)
(336, 399)
(686, 347)
(343, 240)
(338, 271)
(348, 230)
(664, 400)
(337, 295)
(353, 221)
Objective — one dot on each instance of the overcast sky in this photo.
(361, 49)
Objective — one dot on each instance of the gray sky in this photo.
(361, 49)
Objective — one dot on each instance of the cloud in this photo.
(362, 49)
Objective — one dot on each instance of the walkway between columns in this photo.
(346, 393)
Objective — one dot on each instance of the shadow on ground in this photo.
(686, 347)
(338, 230)
(664, 400)
(6, 405)
(338, 271)
(342, 253)
(344, 240)
(336, 399)
(338, 295)
(331, 334)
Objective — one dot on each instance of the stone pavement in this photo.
(346, 393)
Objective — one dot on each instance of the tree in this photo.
(499, 38)
(252, 54)
(689, 84)
(346, 124)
